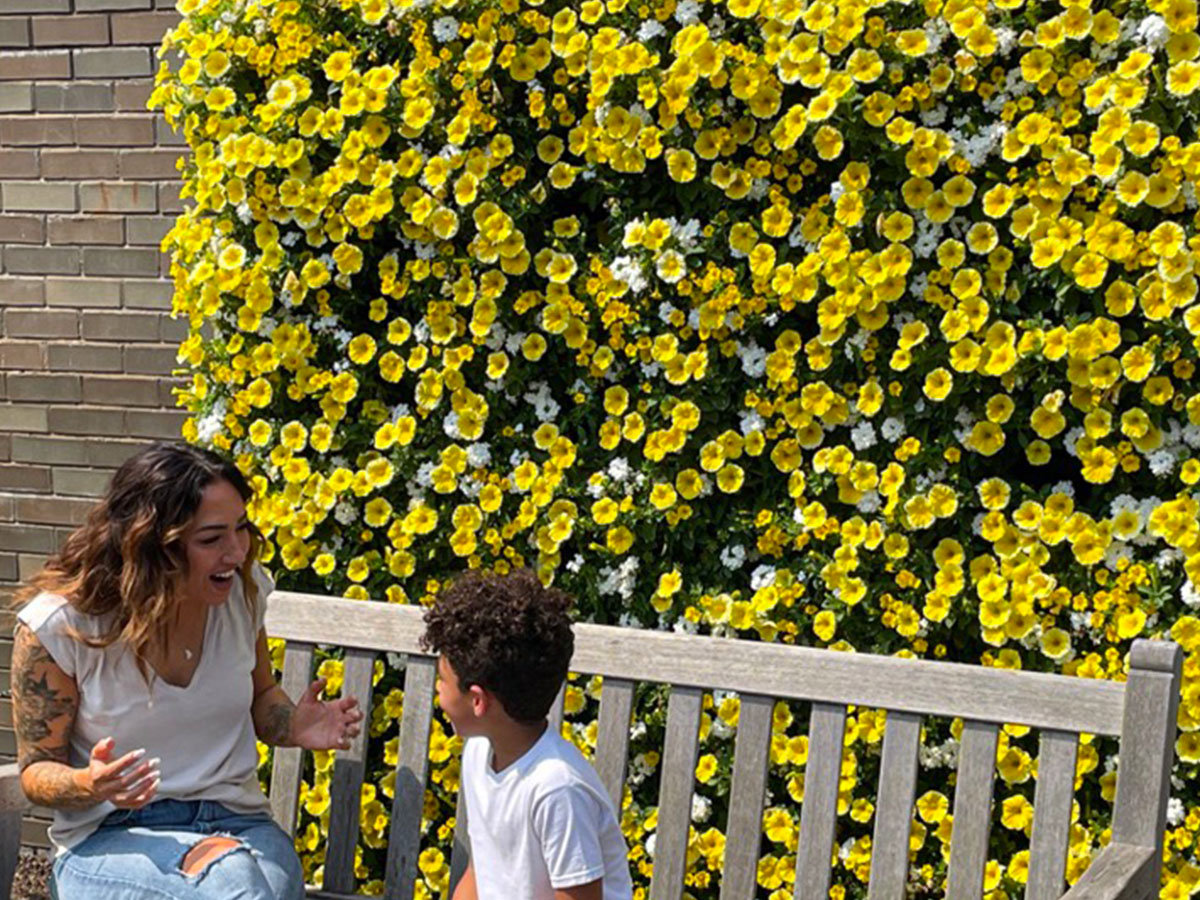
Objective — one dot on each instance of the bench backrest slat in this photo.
(460, 851)
(612, 737)
(412, 770)
(678, 768)
(346, 785)
(1040, 700)
(1051, 815)
(972, 809)
(894, 806)
(743, 831)
(556, 710)
(818, 814)
(1147, 749)
(286, 768)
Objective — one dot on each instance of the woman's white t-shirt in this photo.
(202, 734)
(544, 822)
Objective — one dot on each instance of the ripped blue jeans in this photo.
(139, 855)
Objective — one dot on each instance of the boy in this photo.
(540, 823)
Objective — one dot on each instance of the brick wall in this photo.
(87, 191)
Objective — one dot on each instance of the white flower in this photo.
(892, 429)
(478, 455)
(345, 513)
(671, 266)
(763, 576)
(1175, 811)
(733, 556)
(863, 435)
(687, 11)
(1189, 595)
(650, 29)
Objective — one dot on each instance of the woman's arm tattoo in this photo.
(44, 702)
(272, 714)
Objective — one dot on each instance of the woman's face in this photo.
(217, 541)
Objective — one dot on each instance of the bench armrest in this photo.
(1120, 872)
(12, 798)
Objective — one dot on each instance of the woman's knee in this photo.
(225, 867)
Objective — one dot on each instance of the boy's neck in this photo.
(511, 740)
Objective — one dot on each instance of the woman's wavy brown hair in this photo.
(124, 565)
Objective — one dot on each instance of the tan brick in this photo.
(142, 28)
(8, 567)
(148, 230)
(34, 196)
(153, 164)
(119, 197)
(40, 131)
(70, 31)
(165, 137)
(151, 360)
(112, 62)
(148, 295)
(113, 5)
(19, 417)
(37, 6)
(110, 454)
(50, 451)
(132, 391)
(84, 293)
(156, 424)
(8, 509)
(22, 292)
(16, 96)
(28, 565)
(128, 262)
(22, 230)
(27, 323)
(86, 420)
(168, 198)
(122, 326)
(85, 230)
(27, 538)
(41, 260)
(18, 163)
(44, 388)
(77, 164)
(14, 31)
(78, 96)
(21, 355)
(5, 447)
(35, 65)
(172, 331)
(52, 510)
(167, 388)
(80, 482)
(119, 131)
(131, 96)
(84, 357)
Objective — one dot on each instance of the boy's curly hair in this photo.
(507, 633)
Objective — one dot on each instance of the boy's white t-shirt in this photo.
(203, 734)
(543, 823)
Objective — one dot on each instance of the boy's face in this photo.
(459, 705)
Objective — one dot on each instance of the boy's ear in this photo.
(481, 700)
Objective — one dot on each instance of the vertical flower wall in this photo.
(843, 323)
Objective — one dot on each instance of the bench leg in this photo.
(10, 846)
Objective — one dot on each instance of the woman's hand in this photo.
(123, 782)
(325, 725)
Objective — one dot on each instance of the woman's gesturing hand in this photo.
(124, 782)
(325, 725)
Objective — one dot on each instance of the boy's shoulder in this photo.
(551, 764)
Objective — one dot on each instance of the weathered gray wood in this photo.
(286, 767)
(1120, 872)
(818, 815)
(1147, 746)
(10, 848)
(11, 795)
(743, 832)
(1051, 815)
(556, 709)
(412, 769)
(894, 807)
(612, 737)
(460, 852)
(675, 791)
(1041, 700)
(345, 788)
(972, 810)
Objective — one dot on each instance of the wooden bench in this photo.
(1142, 711)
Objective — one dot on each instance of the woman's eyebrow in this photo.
(219, 526)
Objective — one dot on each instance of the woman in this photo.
(140, 678)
